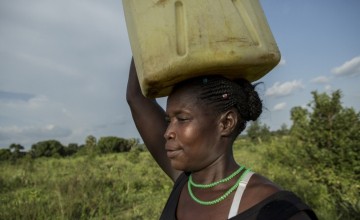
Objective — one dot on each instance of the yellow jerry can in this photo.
(173, 40)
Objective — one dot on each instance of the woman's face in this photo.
(192, 136)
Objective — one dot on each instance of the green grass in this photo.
(100, 187)
(131, 186)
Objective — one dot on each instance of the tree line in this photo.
(53, 148)
(326, 130)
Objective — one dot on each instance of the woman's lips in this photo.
(172, 153)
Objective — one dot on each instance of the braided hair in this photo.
(222, 94)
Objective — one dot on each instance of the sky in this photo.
(64, 65)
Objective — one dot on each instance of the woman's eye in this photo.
(182, 119)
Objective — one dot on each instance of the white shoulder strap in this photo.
(238, 194)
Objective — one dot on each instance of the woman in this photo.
(192, 143)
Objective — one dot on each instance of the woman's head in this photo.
(205, 115)
(221, 94)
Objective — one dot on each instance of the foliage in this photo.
(16, 150)
(49, 148)
(5, 154)
(330, 132)
(258, 132)
(113, 144)
(90, 145)
(13, 153)
(125, 186)
(72, 149)
(53, 148)
(327, 139)
(282, 131)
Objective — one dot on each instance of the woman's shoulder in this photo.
(258, 189)
(264, 199)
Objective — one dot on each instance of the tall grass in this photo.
(95, 187)
(131, 186)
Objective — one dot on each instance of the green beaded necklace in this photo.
(204, 186)
(221, 198)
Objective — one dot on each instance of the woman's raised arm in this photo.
(149, 118)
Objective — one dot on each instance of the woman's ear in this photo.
(228, 122)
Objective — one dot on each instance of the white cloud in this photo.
(320, 80)
(349, 68)
(41, 118)
(284, 89)
(38, 101)
(280, 106)
(33, 103)
(328, 88)
(27, 134)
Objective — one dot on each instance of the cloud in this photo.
(41, 118)
(15, 96)
(65, 63)
(17, 133)
(349, 68)
(280, 106)
(284, 89)
(22, 101)
(321, 80)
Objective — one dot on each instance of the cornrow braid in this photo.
(218, 93)
(222, 94)
(254, 104)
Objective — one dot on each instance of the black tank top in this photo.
(281, 205)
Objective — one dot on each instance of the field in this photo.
(130, 185)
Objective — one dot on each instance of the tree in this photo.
(258, 132)
(334, 130)
(16, 150)
(5, 154)
(328, 140)
(300, 119)
(71, 149)
(90, 144)
(47, 148)
(113, 144)
(282, 131)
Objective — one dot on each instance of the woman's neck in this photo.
(219, 169)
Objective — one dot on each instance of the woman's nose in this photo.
(169, 133)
